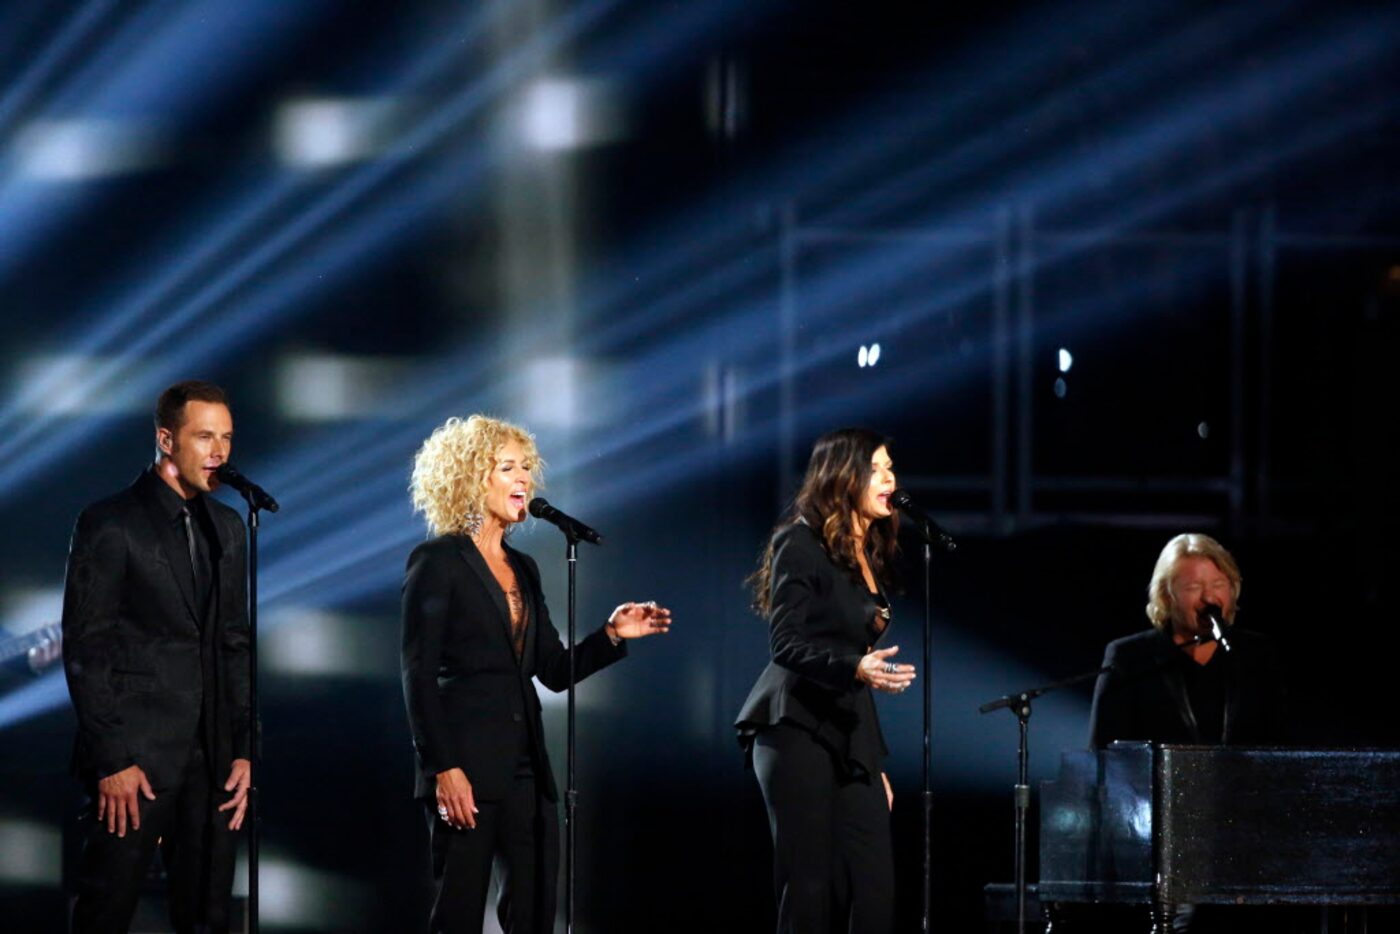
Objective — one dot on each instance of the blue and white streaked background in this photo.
(1106, 272)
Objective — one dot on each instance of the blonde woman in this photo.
(476, 632)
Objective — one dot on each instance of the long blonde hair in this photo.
(1187, 545)
(451, 469)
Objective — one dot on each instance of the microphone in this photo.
(571, 527)
(1215, 616)
(257, 497)
(931, 531)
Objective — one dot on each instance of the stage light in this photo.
(553, 387)
(874, 357)
(313, 642)
(52, 385)
(1203, 431)
(317, 133)
(1061, 387)
(85, 149)
(328, 387)
(863, 357)
(1066, 360)
(568, 113)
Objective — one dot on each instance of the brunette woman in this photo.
(809, 724)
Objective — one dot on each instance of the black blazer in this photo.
(131, 639)
(1144, 697)
(819, 629)
(467, 696)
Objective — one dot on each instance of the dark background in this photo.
(343, 213)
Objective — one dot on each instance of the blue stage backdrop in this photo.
(1106, 272)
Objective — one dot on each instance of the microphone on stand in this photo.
(1215, 617)
(574, 529)
(931, 531)
(257, 496)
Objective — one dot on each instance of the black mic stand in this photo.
(255, 718)
(574, 532)
(1020, 705)
(929, 534)
(928, 744)
(571, 792)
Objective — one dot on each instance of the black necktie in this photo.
(189, 540)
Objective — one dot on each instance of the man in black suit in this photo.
(1174, 683)
(155, 633)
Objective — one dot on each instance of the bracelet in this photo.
(611, 632)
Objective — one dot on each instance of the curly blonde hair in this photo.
(1187, 545)
(451, 469)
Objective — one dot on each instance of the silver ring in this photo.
(891, 667)
(442, 809)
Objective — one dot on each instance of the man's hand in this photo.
(240, 776)
(634, 620)
(455, 802)
(118, 801)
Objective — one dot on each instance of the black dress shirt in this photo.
(201, 570)
(1150, 694)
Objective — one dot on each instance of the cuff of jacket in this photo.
(112, 763)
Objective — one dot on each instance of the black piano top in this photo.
(1139, 823)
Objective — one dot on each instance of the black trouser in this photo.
(196, 846)
(833, 861)
(522, 830)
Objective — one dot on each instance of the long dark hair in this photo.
(838, 475)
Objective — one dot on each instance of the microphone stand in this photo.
(255, 719)
(1020, 705)
(930, 534)
(571, 792)
(928, 728)
(574, 532)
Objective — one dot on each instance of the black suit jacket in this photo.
(131, 639)
(1144, 697)
(467, 695)
(819, 629)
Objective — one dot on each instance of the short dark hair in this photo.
(170, 407)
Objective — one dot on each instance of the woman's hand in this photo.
(889, 790)
(455, 803)
(884, 675)
(634, 620)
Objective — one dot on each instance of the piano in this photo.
(1167, 825)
